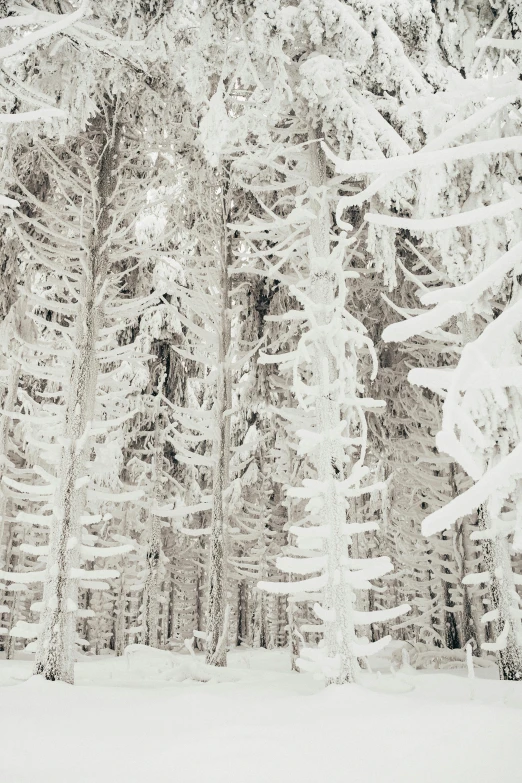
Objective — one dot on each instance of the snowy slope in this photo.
(138, 719)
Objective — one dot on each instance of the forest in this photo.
(260, 389)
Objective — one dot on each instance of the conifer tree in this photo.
(333, 101)
(485, 444)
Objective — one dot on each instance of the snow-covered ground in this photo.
(148, 717)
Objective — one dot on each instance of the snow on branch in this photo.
(492, 481)
(92, 552)
(452, 301)
(391, 168)
(288, 588)
(401, 164)
(86, 576)
(437, 378)
(457, 220)
(470, 292)
(304, 565)
(45, 113)
(28, 577)
(362, 650)
(380, 615)
(501, 641)
(501, 43)
(64, 21)
(418, 324)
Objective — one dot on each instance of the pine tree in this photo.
(483, 442)
(329, 103)
(78, 276)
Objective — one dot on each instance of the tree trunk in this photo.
(217, 598)
(294, 636)
(339, 633)
(55, 653)
(150, 609)
(504, 600)
(5, 422)
(10, 558)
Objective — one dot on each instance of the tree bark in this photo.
(504, 600)
(217, 598)
(150, 609)
(339, 632)
(55, 652)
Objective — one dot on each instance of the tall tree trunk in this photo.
(5, 422)
(55, 653)
(150, 611)
(10, 559)
(120, 605)
(294, 636)
(504, 600)
(470, 629)
(217, 598)
(451, 628)
(242, 620)
(339, 632)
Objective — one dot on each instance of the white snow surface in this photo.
(147, 716)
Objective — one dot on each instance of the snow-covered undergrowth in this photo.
(151, 716)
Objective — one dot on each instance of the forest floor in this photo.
(150, 717)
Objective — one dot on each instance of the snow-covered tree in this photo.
(342, 55)
(478, 248)
(80, 246)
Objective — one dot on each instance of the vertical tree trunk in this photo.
(259, 632)
(470, 623)
(55, 653)
(242, 624)
(5, 422)
(294, 637)
(13, 562)
(150, 611)
(451, 628)
(217, 598)
(339, 631)
(120, 604)
(470, 619)
(504, 600)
